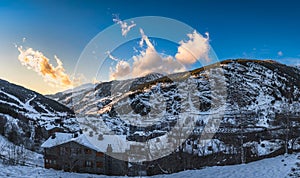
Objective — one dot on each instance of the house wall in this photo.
(115, 166)
(74, 157)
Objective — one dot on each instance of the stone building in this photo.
(81, 153)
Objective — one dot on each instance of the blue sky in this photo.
(238, 29)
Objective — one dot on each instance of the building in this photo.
(80, 153)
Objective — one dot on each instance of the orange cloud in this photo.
(37, 62)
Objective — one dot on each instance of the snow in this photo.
(266, 147)
(26, 105)
(30, 157)
(277, 167)
(267, 168)
(118, 142)
(11, 104)
(61, 138)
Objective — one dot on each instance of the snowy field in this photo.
(278, 167)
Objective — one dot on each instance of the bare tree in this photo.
(70, 159)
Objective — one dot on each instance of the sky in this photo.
(58, 33)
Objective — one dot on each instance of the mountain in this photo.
(250, 107)
(264, 87)
(27, 117)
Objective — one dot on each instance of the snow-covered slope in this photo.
(278, 167)
(25, 115)
(263, 88)
(12, 154)
(255, 101)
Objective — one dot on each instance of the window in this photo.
(99, 164)
(100, 154)
(50, 161)
(63, 150)
(210, 148)
(75, 151)
(88, 164)
(78, 150)
(88, 151)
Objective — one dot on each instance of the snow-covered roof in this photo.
(49, 126)
(118, 142)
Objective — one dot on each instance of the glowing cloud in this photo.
(197, 47)
(122, 70)
(37, 62)
(146, 62)
(124, 26)
(150, 61)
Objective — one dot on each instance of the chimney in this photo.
(100, 137)
(109, 148)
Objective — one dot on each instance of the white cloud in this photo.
(36, 61)
(121, 71)
(146, 62)
(125, 28)
(150, 61)
(197, 47)
(111, 56)
(280, 53)
(146, 40)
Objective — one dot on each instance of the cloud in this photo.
(111, 56)
(37, 62)
(95, 80)
(280, 53)
(150, 61)
(146, 40)
(125, 28)
(147, 61)
(292, 61)
(197, 47)
(122, 70)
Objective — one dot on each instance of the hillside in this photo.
(26, 116)
(265, 88)
(250, 108)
